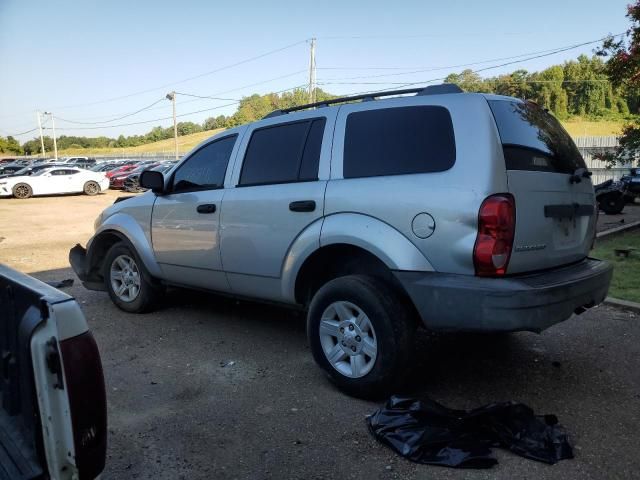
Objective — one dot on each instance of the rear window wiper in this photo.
(579, 174)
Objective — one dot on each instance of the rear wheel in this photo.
(612, 203)
(129, 284)
(360, 333)
(22, 190)
(91, 188)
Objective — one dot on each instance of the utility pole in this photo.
(312, 72)
(172, 96)
(41, 137)
(55, 144)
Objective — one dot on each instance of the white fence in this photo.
(590, 147)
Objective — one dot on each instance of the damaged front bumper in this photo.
(532, 302)
(79, 262)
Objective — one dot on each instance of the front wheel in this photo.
(127, 281)
(360, 333)
(91, 188)
(22, 191)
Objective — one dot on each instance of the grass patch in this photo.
(185, 143)
(626, 271)
(579, 127)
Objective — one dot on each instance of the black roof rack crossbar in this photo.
(430, 90)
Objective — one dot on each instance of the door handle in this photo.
(206, 208)
(303, 206)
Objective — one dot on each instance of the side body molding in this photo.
(368, 233)
(128, 228)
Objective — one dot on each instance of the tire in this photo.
(22, 191)
(387, 324)
(129, 284)
(612, 203)
(91, 188)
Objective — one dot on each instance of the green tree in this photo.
(187, 128)
(623, 69)
(10, 145)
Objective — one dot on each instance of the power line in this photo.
(207, 97)
(113, 119)
(212, 96)
(23, 133)
(408, 84)
(432, 69)
(178, 82)
(419, 35)
(170, 117)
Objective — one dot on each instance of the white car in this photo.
(54, 180)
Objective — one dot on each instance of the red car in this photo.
(117, 181)
(120, 170)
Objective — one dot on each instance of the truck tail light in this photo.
(88, 402)
(496, 231)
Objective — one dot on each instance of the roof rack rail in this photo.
(430, 90)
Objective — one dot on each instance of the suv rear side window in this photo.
(533, 139)
(206, 168)
(397, 141)
(283, 153)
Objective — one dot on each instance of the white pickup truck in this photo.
(53, 418)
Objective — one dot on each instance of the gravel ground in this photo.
(208, 387)
(630, 214)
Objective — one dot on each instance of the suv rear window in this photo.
(533, 139)
(397, 141)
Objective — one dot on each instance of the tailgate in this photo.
(20, 439)
(554, 197)
(53, 404)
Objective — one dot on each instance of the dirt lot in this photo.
(179, 409)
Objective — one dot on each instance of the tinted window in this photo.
(533, 139)
(311, 155)
(283, 153)
(205, 168)
(396, 141)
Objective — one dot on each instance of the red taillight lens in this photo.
(88, 402)
(496, 229)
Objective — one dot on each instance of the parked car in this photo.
(610, 196)
(73, 159)
(132, 182)
(105, 167)
(631, 184)
(117, 181)
(6, 160)
(31, 169)
(460, 211)
(53, 413)
(85, 163)
(10, 169)
(50, 181)
(119, 170)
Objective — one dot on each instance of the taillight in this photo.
(88, 402)
(496, 229)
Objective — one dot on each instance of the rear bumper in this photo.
(534, 302)
(80, 265)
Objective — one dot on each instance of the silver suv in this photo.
(459, 211)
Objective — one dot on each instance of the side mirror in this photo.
(154, 181)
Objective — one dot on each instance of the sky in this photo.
(93, 61)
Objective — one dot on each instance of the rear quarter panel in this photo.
(452, 197)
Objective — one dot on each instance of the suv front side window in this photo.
(206, 168)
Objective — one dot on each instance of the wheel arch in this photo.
(347, 244)
(123, 228)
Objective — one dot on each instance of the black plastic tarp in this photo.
(424, 431)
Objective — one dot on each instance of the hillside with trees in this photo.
(578, 88)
